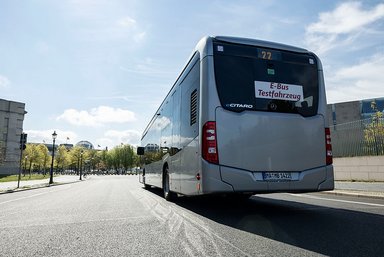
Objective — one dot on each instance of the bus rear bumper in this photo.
(312, 180)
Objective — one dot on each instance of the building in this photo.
(85, 144)
(11, 126)
(346, 112)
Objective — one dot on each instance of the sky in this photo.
(97, 70)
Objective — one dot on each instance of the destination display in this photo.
(279, 91)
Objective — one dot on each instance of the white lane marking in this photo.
(30, 196)
(337, 200)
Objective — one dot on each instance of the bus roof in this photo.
(257, 42)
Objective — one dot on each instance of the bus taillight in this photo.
(209, 147)
(328, 146)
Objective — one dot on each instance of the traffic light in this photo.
(23, 141)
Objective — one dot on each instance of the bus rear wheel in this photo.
(168, 195)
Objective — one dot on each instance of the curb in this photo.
(363, 194)
(37, 186)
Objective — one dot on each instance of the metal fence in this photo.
(358, 138)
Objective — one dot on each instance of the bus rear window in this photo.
(252, 78)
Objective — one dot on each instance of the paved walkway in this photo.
(12, 186)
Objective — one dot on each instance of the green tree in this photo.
(101, 163)
(113, 159)
(128, 157)
(93, 159)
(75, 156)
(31, 155)
(44, 158)
(62, 158)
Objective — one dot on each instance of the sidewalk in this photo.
(7, 187)
(359, 189)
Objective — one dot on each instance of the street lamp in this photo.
(54, 135)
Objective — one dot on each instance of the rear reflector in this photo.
(328, 146)
(209, 146)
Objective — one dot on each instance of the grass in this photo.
(9, 178)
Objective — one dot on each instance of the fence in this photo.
(359, 138)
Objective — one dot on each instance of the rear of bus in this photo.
(267, 130)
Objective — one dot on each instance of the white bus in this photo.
(245, 116)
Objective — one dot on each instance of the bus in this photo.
(244, 117)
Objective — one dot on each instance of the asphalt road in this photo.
(115, 216)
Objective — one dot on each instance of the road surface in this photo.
(115, 216)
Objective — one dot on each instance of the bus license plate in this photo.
(277, 176)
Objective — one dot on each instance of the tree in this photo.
(93, 158)
(62, 158)
(102, 160)
(75, 157)
(44, 157)
(127, 156)
(113, 159)
(32, 155)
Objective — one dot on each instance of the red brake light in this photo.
(328, 146)
(209, 141)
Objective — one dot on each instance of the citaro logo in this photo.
(248, 106)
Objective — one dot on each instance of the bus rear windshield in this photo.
(262, 79)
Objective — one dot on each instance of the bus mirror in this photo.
(140, 150)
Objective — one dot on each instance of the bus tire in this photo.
(168, 195)
(146, 186)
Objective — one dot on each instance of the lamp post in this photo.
(54, 135)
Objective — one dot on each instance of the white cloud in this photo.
(97, 116)
(342, 26)
(140, 36)
(148, 66)
(106, 21)
(45, 136)
(128, 26)
(346, 18)
(127, 22)
(4, 82)
(361, 81)
(115, 137)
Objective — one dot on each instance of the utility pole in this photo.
(23, 141)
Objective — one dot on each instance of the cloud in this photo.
(4, 82)
(343, 25)
(127, 26)
(110, 139)
(41, 136)
(362, 81)
(97, 116)
(126, 22)
(150, 67)
(131, 137)
(105, 21)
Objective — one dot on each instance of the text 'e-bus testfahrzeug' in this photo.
(245, 116)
